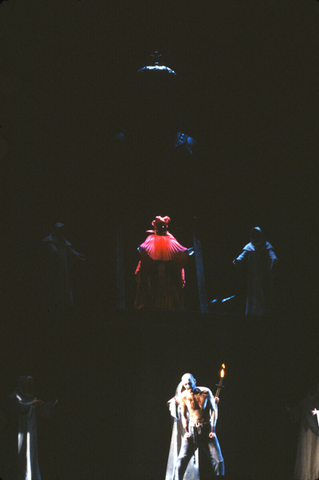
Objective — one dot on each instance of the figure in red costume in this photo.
(160, 273)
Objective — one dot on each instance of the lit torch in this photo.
(220, 384)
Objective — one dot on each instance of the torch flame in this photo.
(222, 372)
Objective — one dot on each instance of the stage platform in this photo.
(114, 370)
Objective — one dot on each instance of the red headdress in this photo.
(162, 245)
(160, 225)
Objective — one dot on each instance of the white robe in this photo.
(192, 471)
(307, 461)
(24, 426)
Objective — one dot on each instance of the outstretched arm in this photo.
(241, 258)
(77, 255)
(46, 409)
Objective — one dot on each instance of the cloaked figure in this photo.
(259, 258)
(178, 432)
(24, 411)
(307, 414)
(160, 272)
(198, 418)
(59, 256)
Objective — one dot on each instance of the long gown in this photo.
(307, 460)
(23, 434)
(57, 281)
(259, 260)
(160, 273)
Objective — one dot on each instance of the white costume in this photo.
(24, 449)
(192, 471)
(307, 461)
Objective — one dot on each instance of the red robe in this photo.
(160, 273)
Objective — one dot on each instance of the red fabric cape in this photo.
(162, 247)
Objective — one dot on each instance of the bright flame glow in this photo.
(222, 372)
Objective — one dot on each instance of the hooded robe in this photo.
(259, 259)
(57, 285)
(23, 432)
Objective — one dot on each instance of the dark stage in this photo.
(113, 374)
(82, 142)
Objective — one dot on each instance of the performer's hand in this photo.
(216, 400)
(211, 435)
(314, 411)
(176, 401)
(235, 261)
(187, 435)
(36, 402)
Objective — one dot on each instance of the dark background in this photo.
(249, 90)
